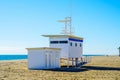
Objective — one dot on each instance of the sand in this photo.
(100, 68)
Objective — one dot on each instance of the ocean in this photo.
(13, 57)
(93, 55)
(21, 57)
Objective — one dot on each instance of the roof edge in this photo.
(43, 48)
(63, 36)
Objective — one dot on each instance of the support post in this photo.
(67, 62)
(82, 60)
(86, 59)
(72, 62)
(76, 59)
(119, 51)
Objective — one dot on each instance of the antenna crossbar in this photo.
(67, 22)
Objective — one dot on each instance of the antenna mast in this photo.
(67, 22)
(70, 17)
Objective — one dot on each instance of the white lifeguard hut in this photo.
(65, 46)
(71, 46)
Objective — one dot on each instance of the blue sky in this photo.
(22, 22)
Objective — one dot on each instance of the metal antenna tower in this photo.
(70, 17)
(67, 22)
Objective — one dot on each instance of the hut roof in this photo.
(63, 36)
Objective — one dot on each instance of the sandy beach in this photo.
(100, 68)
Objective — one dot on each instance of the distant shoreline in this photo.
(12, 57)
(13, 60)
(25, 57)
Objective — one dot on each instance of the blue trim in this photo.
(77, 40)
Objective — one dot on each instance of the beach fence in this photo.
(79, 62)
(83, 60)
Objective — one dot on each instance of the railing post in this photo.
(72, 62)
(67, 62)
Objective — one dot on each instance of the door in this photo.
(48, 60)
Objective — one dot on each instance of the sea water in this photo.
(13, 57)
(20, 57)
(93, 55)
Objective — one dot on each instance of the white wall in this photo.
(36, 59)
(67, 50)
(75, 51)
(64, 47)
(43, 59)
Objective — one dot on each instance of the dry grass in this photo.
(101, 68)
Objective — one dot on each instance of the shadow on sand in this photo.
(83, 68)
(101, 68)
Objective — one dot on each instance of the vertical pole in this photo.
(70, 8)
(66, 25)
(70, 17)
(76, 62)
(82, 60)
(119, 51)
(68, 63)
(72, 62)
(70, 26)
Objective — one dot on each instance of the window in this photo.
(71, 44)
(63, 41)
(53, 42)
(80, 45)
(75, 44)
(56, 42)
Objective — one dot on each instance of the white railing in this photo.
(86, 59)
(83, 60)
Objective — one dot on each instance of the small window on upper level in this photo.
(80, 45)
(70, 43)
(58, 42)
(75, 44)
(63, 42)
(54, 42)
